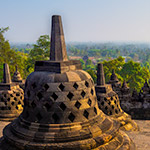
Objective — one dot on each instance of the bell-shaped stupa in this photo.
(17, 76)
(115, 83)
(108, 102)
(61, 110)
(11, 97)
(146, 88)
(17, 79)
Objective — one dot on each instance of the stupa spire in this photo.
(100, 75)
(16, 68)
(124, 85)
(58, 48)
(6, 74)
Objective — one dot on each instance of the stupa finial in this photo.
(16, 68)
(58, 48)
(6, 74)
(100, 75)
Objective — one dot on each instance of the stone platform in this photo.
(141, 138)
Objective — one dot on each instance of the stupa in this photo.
(17, 76)
(115, 83)
(17, 79)
(146, 95)
(61, 110)
(146, 88)
(11, 97)
(108, 102)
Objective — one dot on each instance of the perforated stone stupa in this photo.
(108, 102)
(61, 110)
(17, 76)
(11, 97)
(115, 83)
(17, 79)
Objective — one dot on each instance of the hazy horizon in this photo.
(83, 21)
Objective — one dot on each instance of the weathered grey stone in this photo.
(11, 98)
(6, 74)
(61, 110)
(109, 103)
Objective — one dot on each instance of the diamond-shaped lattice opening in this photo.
(62, 106)
(5, 95)
(92, 92)
(54, 96)
(8, 99)
(47, 106)
(70, 95)
(86, 114)
(61, 86)
(17, 107)
(95, 110)
(15, 98)
(106, 108)
(75, 85)
(39, 95)
(83, 94)
(34, 85)
(89, 102)
(33, 104)
(46, 86)
(77, 104)
(102, 103)
(105, 99)
(12, 103)
(39, 117)
(17, 94)
(11, 95)
(115, 101)
(55, 117)
(111, 98)
(19, 102)
(86, 84)
(112, 107)
(99, 106)
(71, 117)
(9, 108)
(116, 111)
(109, 103)
(6, 103)
(110, 112)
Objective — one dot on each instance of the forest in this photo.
(131, 61)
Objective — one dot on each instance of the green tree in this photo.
(115, 64)
(40, 51)
(134, 74)
(10, 56)
(93, 74)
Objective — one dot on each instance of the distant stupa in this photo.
(61, 110)
(108, 102)
(17, 76)
(11, 97)
(17, 79)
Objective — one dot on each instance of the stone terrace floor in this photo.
(140, 138)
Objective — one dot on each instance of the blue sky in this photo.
(83, 20)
